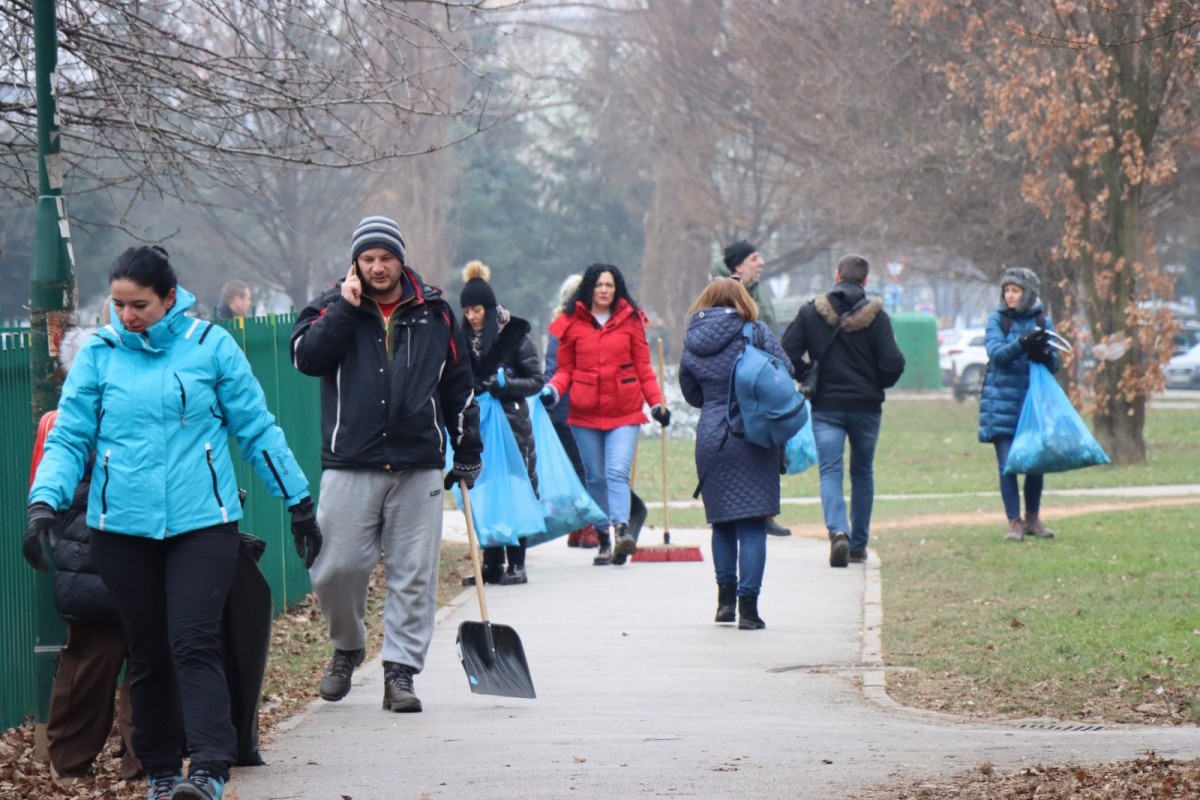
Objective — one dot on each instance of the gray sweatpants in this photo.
(364, 512)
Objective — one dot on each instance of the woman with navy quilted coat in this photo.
(1016, 338)
(739, 480)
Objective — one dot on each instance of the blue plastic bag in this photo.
(502, 500)
(800, 451)
(1051, 436)
(566, 504)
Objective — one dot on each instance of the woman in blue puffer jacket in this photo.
(155, 396)
(1016, 338)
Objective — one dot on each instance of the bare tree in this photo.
(157, 96)
(1102, 99)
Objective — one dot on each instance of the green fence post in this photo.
(52, 309)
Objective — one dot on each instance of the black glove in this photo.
(549, 396)
(1043, 356)
(464, 472)
(661, 414)
(305, 531)
(1035, 341)
(492, 386)
(37, 536)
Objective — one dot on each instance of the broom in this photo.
(666, 551)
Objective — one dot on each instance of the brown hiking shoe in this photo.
(1016, 530)
(1034, 527)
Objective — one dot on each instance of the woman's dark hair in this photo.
(145, 266)
(588, 285)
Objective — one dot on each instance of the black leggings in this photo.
(171, 594)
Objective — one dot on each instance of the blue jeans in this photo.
(607, 463)
(1010, 493)
(831, 429)
(739, 547)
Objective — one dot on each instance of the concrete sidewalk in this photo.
(641, 694)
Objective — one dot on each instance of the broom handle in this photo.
(662, 387)
(466, 496)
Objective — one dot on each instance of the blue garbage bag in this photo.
(566, 504)
(800, 451)
(1051, 436)
(503, 503)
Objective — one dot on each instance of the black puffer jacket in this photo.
(79, 594)
(863, 360)
(514, 351)
(389, 397)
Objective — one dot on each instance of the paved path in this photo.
(640, 694)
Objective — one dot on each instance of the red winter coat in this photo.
(607, 369)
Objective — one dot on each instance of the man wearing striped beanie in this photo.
(388, 403)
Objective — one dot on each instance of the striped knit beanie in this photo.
(377, 232)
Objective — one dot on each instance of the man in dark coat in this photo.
(855, 365)
(395, 380)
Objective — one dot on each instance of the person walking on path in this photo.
(506, 365)
(848, 339)
(81, 700)
(236, 302)
(395, 379)
(156, 395)
(740, 480)
(584, 537)
(604, 361)
(1017, 336)
(743, 263)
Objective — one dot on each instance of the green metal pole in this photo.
(52, 310)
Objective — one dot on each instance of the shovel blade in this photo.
(494, 660)
(637, 515)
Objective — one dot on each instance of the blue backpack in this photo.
(772, 410)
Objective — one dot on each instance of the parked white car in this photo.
(963, 360)
(1183, 371)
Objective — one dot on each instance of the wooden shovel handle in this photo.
(662, 387)
(474, 543)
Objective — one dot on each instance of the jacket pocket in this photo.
(629, 390)
(585, 392)
(104, 488)
(212, 471)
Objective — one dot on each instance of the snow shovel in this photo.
(637, 514)
(491, 654)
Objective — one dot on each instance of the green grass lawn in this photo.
(930, 446)
(1101, 623)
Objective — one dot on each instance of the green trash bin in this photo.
(916, 333)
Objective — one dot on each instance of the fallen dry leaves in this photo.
(299, 648)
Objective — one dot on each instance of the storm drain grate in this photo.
(1059, 726)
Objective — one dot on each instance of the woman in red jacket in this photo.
(604, 360)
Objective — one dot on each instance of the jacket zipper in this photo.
(104, 489)
(182, 402)
(216, 490)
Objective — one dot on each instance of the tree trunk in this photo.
(1112, 288)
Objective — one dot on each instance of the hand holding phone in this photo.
(352, 286)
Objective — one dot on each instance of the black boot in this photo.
(726, 597)
(748, 618)
(625, 545)
(604, 557)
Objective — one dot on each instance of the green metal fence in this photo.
(19, 604)
(292, 397)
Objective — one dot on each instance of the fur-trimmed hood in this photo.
(857, 321)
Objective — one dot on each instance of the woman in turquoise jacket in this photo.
(156, 395)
